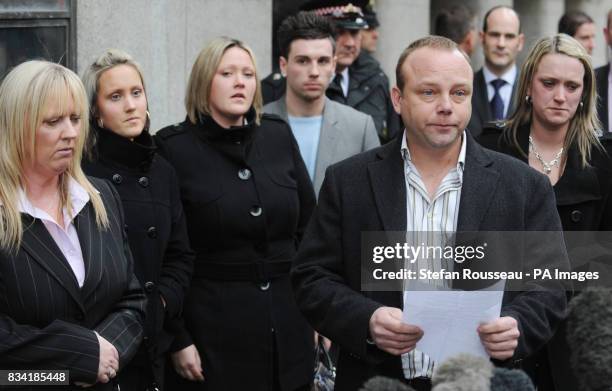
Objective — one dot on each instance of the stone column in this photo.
(165, 36)
(539, 18)
(401, 22)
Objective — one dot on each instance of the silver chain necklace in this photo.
(546, 166)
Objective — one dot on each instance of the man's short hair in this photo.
(431, 41)
(486, 17)
(304, 25)
(454, 23)
(571, 21)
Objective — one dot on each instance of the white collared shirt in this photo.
(426, 215)
(345, 81)
(505, 91)
(66, 238)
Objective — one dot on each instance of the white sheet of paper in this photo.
(449, 319)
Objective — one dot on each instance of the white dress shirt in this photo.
(66, 238)
(438, 216)
(345, 81)
(505, 91)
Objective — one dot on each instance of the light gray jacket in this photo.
(344, 132)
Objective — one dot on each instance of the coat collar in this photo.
(329, 140)
(389, 187)
(136, 154)
(577, 184)
(39, 244)
(480, 180)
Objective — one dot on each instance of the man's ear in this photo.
(396, 99)
(282, 64)
(521, 41)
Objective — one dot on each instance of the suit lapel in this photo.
(90, 238)
(39, 244)
(602, 92)
(483, 97)
(512, 96)
(479, 183)
(280, 108)
(328, 143)
(389, 186)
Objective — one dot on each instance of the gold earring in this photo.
(100, 123)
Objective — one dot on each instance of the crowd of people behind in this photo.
(218, 252)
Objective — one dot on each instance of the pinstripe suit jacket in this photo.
(46, 320)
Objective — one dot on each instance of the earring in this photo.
(581, 104)
(148, 116)
(528, 99)
(100, 123)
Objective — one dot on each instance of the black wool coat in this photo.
(248, 197)
(584, 203)
(156, 229)
(367, 193)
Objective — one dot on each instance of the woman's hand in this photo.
(187, 363)
(109, 360)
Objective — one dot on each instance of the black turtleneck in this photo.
(131, 154)
(234, 142)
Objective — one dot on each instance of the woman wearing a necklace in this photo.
(555, 130)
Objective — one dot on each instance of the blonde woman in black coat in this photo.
(555, 130)
(69, 299)
(247, 197)
(123, 152)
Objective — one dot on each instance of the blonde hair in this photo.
(91, 80)
(584, 126)
(107, 60)
(204, 68)
(25, 95)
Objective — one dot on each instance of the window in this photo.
(37, 29)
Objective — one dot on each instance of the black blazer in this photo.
(367, 192)
(584, 203)
(47, 321)
(247, 197)
(601, 76)
(481, 108)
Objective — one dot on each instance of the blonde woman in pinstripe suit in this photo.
(68, 297)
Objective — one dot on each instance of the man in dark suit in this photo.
(434, 178)
(495, 82)
(604, 81)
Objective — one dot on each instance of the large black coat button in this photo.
(117, 178)
(576, 216)
(264, 286)
(148, 286)
(143, 181)
(152, 232)
(256, 211)
(244, 174)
